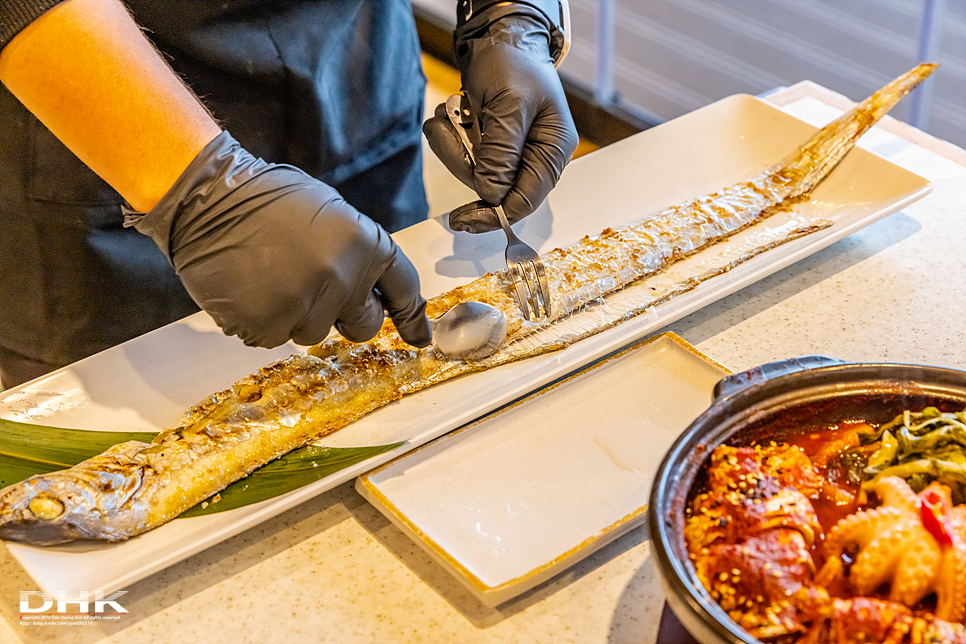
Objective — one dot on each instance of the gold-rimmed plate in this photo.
(515, 498)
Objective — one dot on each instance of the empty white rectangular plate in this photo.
(515, 498)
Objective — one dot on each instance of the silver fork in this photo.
(529, 275)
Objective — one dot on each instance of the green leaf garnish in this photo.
(292, 471)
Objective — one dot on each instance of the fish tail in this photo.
(814, 159)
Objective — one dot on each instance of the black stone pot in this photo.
(764, 403)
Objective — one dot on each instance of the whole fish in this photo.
(134, 486)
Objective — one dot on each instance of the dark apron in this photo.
(334, 87)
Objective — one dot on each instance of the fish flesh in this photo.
(135, 486)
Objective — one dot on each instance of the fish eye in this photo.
(46, 507)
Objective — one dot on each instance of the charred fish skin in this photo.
(135, 487)
(127, 491)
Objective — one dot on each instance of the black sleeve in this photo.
(17, 14)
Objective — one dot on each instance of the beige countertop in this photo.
(333, 569)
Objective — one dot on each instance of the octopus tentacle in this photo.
(951, 586)
(896, 547)
(876, 563)
(951, 580)
(920, 559)
(859, 528)
(894, 492)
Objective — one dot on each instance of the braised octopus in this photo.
(792, 555)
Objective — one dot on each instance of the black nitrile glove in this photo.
(273, 254)
(528, 134)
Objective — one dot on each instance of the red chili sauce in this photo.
(840, 497)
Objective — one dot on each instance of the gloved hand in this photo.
(528, 133)
(272, 254)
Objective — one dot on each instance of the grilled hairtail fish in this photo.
(134, 487)
(596, 266)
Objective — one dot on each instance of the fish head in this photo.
(32, 512)
(71, 504)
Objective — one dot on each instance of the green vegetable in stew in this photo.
(921, 447)
(918, 423)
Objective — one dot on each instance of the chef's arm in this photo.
(86, 71)
(270, 252)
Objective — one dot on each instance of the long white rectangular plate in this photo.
(145, 384)
(511, 500)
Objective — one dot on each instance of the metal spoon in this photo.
(469, 331)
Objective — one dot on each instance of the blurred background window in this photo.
(653, 60)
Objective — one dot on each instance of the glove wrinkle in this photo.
(273, 254)
(527, 131)
(407, 314)
(362, 315)
(474, 217)
(446, 144)
(363, 321)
